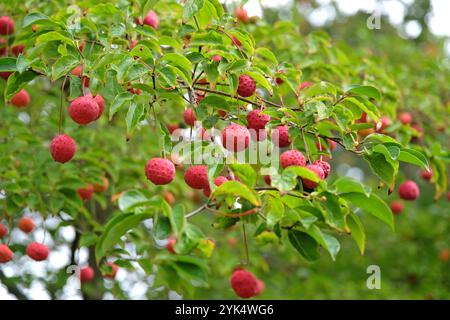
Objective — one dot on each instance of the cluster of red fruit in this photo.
(36, 251)
(87, 274)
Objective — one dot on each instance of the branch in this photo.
(11, 286)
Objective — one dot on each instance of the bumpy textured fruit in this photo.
(3, 230)
(86, 192)
(101, 187)
(426, 174)
(6, 25)
(151, 19)
(241, 14)
(6, 254)
(84, 110)
(244, 283)
(292, 158)
(196, 177)
(37, 251)
(160, 171)
(21, 99)
(26, 224)
(86, 274)
(257, 120)
(326, 167)
(280, 136)
(409, 190)
(170, 245)
(247, 86)
(111, 274)
(18, 49)
(260, 288)
(235, 137)
(189, 117)
(396, 207)
(62, 148)
(220, 180)
(100, 102)
(405, 118)
(318, 171)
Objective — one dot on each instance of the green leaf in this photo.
(53, 36)
(368, 108)
(18, 81)
(39, 19)
(373, 205)
(367, 91)
(134, 115)
(237, 189)
(87, 239)
(131, 199)
(119, 101)
(191, 8)
(261, 80)
(414, 157)
(304, 244)
(348, 184)
(274, 210)
(267, 54)
(386, 170)
(177, 219)
(245, 172)
(22, 63)
(328, 242)
(8, 64)
(63, 66)
(357, 231)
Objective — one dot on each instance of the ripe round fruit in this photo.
(318, 171)
(86, 192)
(241, 14)
(405, 118)
(244, 283)
(409, 190)
(235, 137)
(426, 174)
(257, 120)
(207, 191)
(397, 207)
(101, 187)
(160, 171)
(216, 58)
(86, 274)
(6, 254)
(189, 117)
(170, 245)
(6, 25)
(111, 274)
(260, 288)
(292, 158)
(37, 251)
(151, 19)
(3, 230)
(84, 110)
(26, 224)
(197, 177)
(18, 49)
(326, 167)
(78, 70)
(280, 136)
(172, 127)
(247, 86)
(62, 148)
(21, 99)
(100, 102)
(220, 180)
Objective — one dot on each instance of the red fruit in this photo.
(260, 288)
(86, 274)
(220, 180)
(151, 19)
(207, 191)
(304, 85)
(6, 254)
(101, 187)
(235, 137)
(258, 134)
(84, 110)
(292, 158)
(133, 43)
(397, 207)
(408, 190)
(160, 171)
(405, 118)
(62, 148)
(268, 180)
(216, 58)
(257, 120)
(5, 75)
(280, 136)
(170, 245)
(3, 230)
(111, 274)
(326, 167)
(426, 174)
(21, 99)
(236, 41)
(81, 46)
(86, 82)
(197, 177)
(279, 81)
(318, 171)
(247, 86)
(78, 70)
(363, 118)
(26, 224)
(86, 192)
(169, 197)
(6, 25)
(37, 251)
(241, 14)
(18, 49)
(385, 121)
(189, 117)
(444, 255)
(172, 127)
(244, 283)
(135, 91)
(100, 102)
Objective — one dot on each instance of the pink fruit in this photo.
(405, 118)
(247, 86)
(151, 19)
(280, 136)
(216, 58)
(408, 190)
(21, 99)
(78, 70)
(160, 171)
(318, 171)
(396, 207)
(385, 122)
(100, 102)
(62, 148)
(84, 110)
(426, 174)
(257, 120)
(3, 230)
(197, 177)
(244, 283)
(304, 85)
(220, 180)
(235, 137)
(292, 158)
(189, 117)
(241, 14)
(86, 274)
(326, 167)
(37, 251)
(236, 41)
(6, 25)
